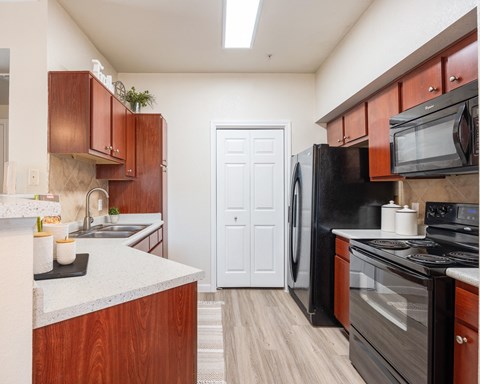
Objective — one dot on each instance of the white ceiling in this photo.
(149, 36)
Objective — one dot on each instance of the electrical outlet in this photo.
(99, 205)
(33, 176)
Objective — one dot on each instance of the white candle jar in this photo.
(66, 251)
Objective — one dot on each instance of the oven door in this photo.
(391, 309)
(436, 142)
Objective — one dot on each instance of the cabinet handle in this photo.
(454, 78)
(163, 166)
(346, 137)
(461, 340)
(432, 89)
(129, 171)
(108, 147)
(116, 151)
(339, 140)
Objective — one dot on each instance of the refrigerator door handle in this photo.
(294, 206)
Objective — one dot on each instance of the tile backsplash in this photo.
(72, 179)
(453, 189)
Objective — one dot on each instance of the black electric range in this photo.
(402, 302)
(451, 241)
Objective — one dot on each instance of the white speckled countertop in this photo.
(371, 234)
(18, 206)
(466, 275)
(116, 273)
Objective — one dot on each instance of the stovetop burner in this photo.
(425, 258)
(422, 243)
(464, 257)
(389, 244)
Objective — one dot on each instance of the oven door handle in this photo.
(391, 267)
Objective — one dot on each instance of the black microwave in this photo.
(439, 137)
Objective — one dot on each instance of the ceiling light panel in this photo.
(240, 20)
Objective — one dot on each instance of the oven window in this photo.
(426, 142)
(391, 311)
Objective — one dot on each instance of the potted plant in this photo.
(139, 99)
(114, 214)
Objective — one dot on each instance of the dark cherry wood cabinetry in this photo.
(341, 306)
(335, 132)
(466, 334)
(152, 243)
(422, 84)
(461, 63)
(147, 192)
(380, 108)
(84, 118)
(151, 340)
(455, 66)
(355, 124)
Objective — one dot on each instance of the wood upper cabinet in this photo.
(423, 84)
(461, 63)
(466, 334)
(151, 340)
(335, 132)
(130, 162)
(355, 123)
(380, 108)
(119, 127)
(80, 118)
(341, 290)
(100, 106)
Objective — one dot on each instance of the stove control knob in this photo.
(443, 210)
(431, 211)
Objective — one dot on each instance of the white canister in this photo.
(59, 231)
(66, 251)
(388, 216)
(42, 252)
(406, 221)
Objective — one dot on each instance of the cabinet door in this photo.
(119, 122)
(100, 139)
(355, 123)
(341, 305)
(130, 161)
(466, 355)
(422, 84)
(157, 250)
(461, 63)
(380, 108)
(335, 132)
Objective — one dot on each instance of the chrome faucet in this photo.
(87, 221)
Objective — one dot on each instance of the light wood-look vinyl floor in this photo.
(269, 341)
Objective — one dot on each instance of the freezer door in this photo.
(300, 229)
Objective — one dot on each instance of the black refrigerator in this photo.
(330, 188)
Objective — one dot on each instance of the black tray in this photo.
(77, 268)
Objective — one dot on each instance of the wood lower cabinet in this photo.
(151, 340)
(466, 334)
(153, 243)
(341, 302)
(380, 108)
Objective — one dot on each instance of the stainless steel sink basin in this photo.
(109, 231)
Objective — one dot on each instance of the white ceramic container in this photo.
(406, 221)
(66, 251)
(388, 216)
(42, 252)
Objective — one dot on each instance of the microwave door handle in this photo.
(460, 118)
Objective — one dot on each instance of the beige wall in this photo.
(390, 38)
(3, 111)
(189, 103)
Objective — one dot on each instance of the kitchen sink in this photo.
(109, 231)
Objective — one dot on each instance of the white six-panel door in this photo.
(250, 208)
